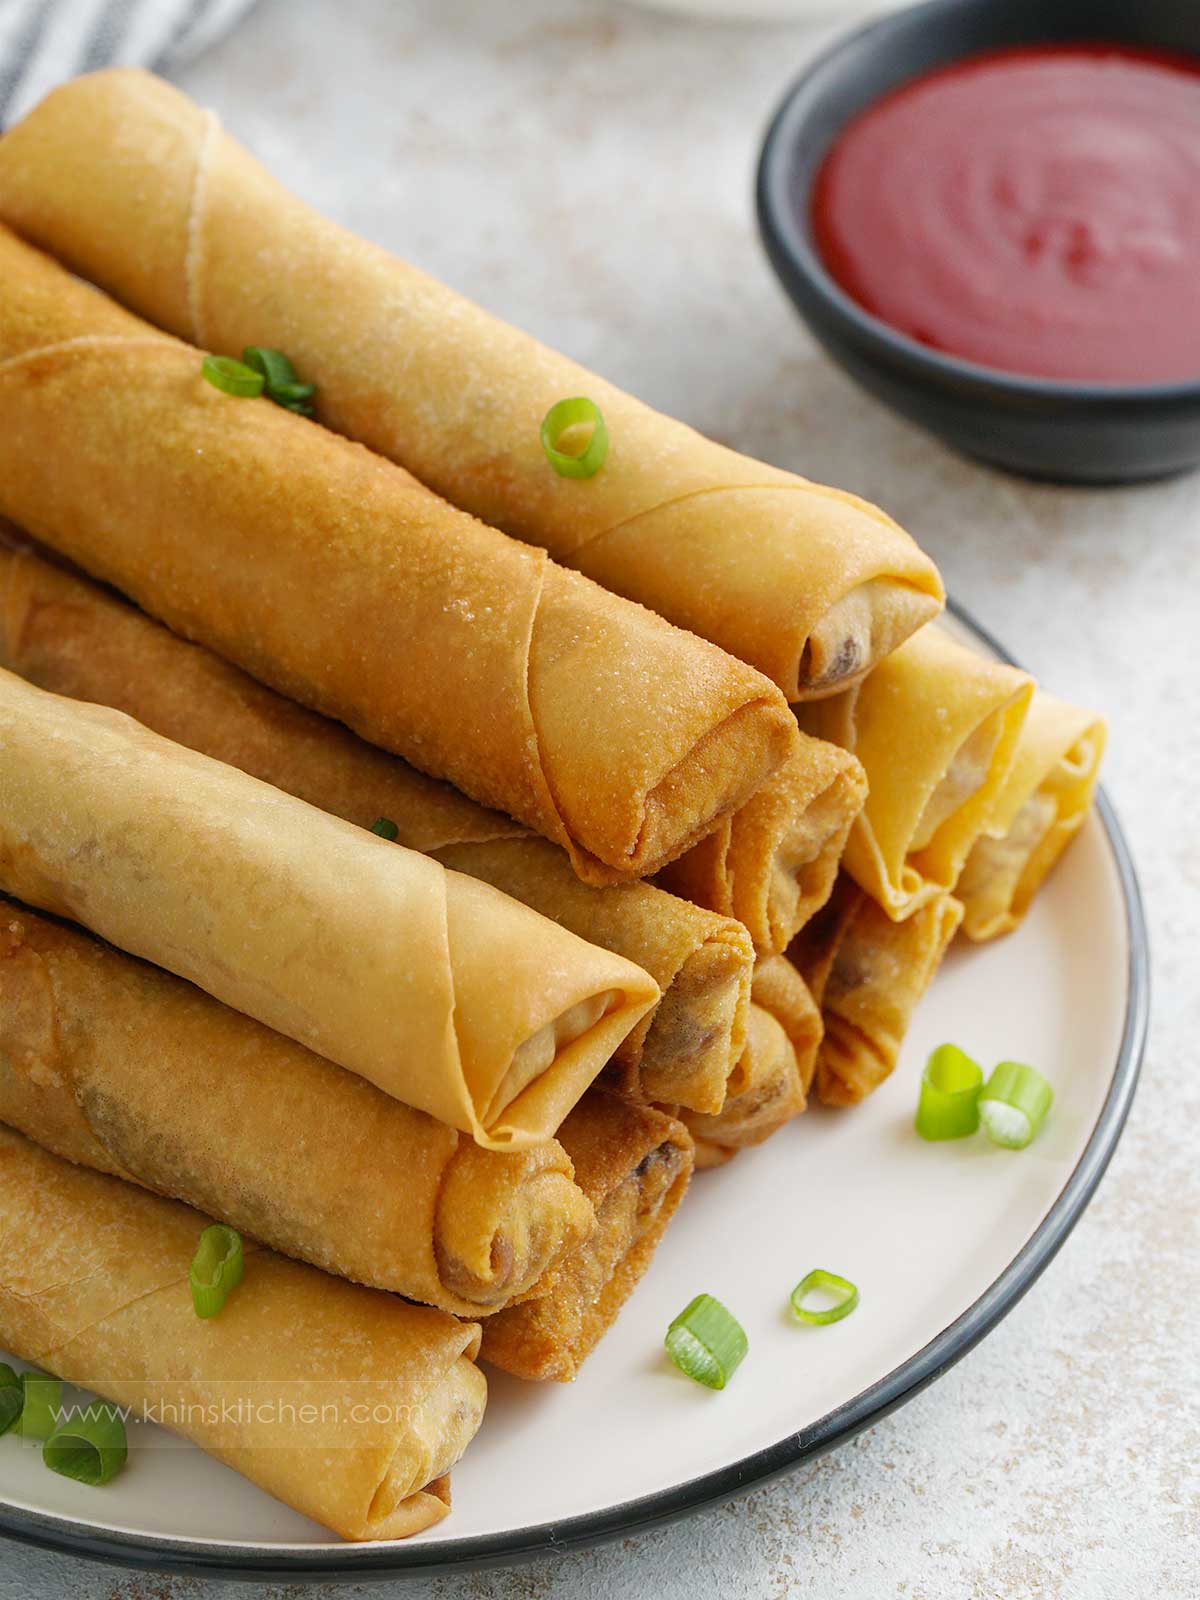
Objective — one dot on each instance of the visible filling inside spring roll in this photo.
(539, 1052)
(765, 1092)
(493, 1254)
(964, 777)
(633, 1163)
(860, 629)
(995, 866)
(1051, 786)
(627, 1216)
(936, 727)
(697, 1031)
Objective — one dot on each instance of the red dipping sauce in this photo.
(1035, 210)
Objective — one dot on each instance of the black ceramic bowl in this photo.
(1071, 432)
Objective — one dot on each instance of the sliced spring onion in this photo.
(1013, 1104)
(232, 377)
(91, 1447)
(279, 376)
(298, 401)
(949, 1103)
(41, 1405)
(564, 424)
(216, 1269)
(706, 1342)
(12, 1397)
(385, 828)
(289, 393)
(276, 369)
(818, 1281)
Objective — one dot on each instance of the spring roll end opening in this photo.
(698, 1029)
(502, 1222)
(444, 1423)
(720, 773)
(858, 631)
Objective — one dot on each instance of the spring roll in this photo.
(765, 1093)
(342, 582)
(868, 974)
(772, 864)
(134, 186)
(1042, 806)
(936, 727)
(633, 1163)
(116, 1065)
(94, 1288)
(435, 987)
(67, 635)
(779, 989)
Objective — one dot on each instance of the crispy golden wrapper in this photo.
(347, 1404)
(133, 185)
(633, 1163)
(936, 727)
(66, 634)
(868, 974)
(335, 577)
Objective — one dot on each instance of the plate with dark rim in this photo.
(632, 1443)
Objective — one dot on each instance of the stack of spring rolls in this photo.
(421, 903)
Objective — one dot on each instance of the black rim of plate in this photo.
(349, 1561)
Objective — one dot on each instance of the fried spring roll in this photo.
(435, 987)
(779, 989)
(1041, 808)
(65, 634)
(133, 185)
(935, 726)
(868, 974)
(633, 1163)
(772, 864)
(765, 1092)
(116, 1065)
(94, 1288)
(342, 582)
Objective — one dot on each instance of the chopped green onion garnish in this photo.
(231, 377)
(819, 1281)
(91, 1447)
(1014, 1104)
(289, 393)
(41, 1405)
(279, 376)
(385, 828)
(564, 423)
(706, 1342)
(949, 1103)
(276, 369)
(297, 403)
(12, 1397)
(216, 1269)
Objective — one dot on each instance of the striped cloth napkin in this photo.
(43, 42)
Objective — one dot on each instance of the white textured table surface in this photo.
(585, 169)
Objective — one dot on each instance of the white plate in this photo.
(941, 1239)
